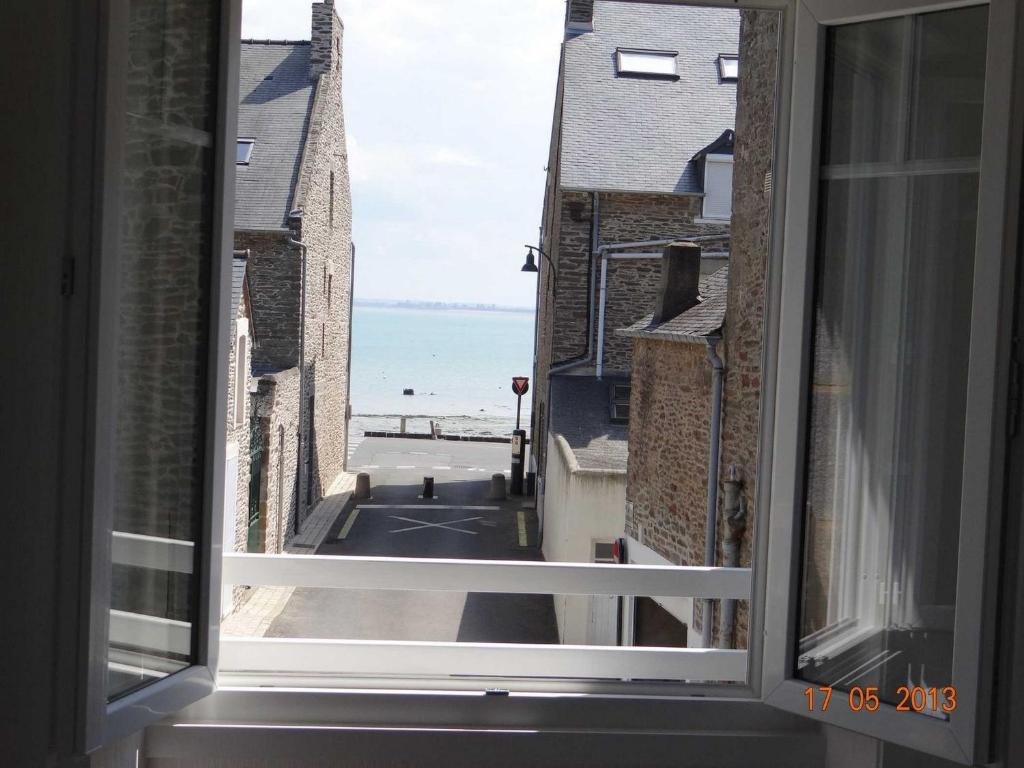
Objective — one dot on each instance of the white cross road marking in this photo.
(422, 524)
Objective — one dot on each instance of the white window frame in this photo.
(723, 60)
(623, 56)
(963, 738)
(98, 722)
(251, 143)
(709, 191)
(241, 371)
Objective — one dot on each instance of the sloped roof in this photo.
(638, 134)
(695, 324)
(275, 97)
(581, 413)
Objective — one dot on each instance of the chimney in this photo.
(325, 40)
(579, 16)
(680, 276)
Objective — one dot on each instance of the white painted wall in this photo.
(580, 505)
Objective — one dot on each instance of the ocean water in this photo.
(459, 363)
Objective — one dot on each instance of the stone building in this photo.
(640, 155)
(293, 216)
(672, 404)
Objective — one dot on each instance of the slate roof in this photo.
(581, 413)
(696, 323)
(638, 134)
(275, 112)
(237, 281)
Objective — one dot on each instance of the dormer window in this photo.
(647, 63)
(244, 151)
(728, 67)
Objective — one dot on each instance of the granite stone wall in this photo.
(239, 431)
(275, 281)
(744, 327)
(324, 197)
(277, 408)
(669, 433)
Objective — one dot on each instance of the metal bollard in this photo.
(362, 485)
(497, 492)
(428, 487)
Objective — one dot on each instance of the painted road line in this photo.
(406, 466)
(348, 524)
(422, 524)
(521, 522)
(428, 506)
(440, 467)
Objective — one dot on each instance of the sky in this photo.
(448, 110)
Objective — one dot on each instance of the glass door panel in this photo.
(162, 347)
(895, 260)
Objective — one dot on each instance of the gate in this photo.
(254, 541)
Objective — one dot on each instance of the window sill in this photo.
(712, 220)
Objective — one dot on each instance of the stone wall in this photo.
(275, 280)
(239, 432)
(669, 433)
(324, 197)
(744, 327)
(277, 408)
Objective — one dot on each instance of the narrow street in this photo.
(459, 522)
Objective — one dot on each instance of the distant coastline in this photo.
(410, 304)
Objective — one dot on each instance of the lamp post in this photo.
(531, 262)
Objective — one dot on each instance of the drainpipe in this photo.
(608, 252)
(302, 376)
(348, 363)
(717, 369)
(734, 510)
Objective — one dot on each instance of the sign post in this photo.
(520, 385)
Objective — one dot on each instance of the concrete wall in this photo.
(580, 505)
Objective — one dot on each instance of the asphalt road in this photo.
(459, 522)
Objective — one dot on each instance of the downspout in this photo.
(710, 528)
(302, 378)
(734, 511)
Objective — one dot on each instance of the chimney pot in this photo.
(680, 278)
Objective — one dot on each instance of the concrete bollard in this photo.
(402, 427)
(428, 487)
(497, 492)
(362, 485)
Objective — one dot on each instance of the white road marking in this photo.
(421, 524)
(406, 466)
(440, 467)
(348, 524)
(521, 522)
(428, 506)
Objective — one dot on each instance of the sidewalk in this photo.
(264, 604)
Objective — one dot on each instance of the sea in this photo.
(459, 363)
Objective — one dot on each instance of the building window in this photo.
(717, 204)
(244, 151)
(648, 63)
(728, 67)
(619, 393)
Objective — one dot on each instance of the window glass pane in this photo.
(163, 275)
(895, 263)
(243, 151)
(647, 63)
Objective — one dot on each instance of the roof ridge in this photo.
(254, 41)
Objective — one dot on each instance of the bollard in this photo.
(402, 427)
(428, 487)
(362, 485)
(497, 492)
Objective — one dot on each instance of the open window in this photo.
(887, 460)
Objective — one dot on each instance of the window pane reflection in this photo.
(895, 262)
(162, 345)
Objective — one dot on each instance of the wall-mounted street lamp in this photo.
(531, 263)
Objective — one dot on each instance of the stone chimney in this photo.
(325, 40)
(579, 16)
(680, 277)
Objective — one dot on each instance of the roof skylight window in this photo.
(244, 151)
(728, 67)
(649, 63)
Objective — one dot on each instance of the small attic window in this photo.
(244, 151)
(647, 63)
(728, 67)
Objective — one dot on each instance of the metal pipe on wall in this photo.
(734, 512)
(302, 377)
(710, 533)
